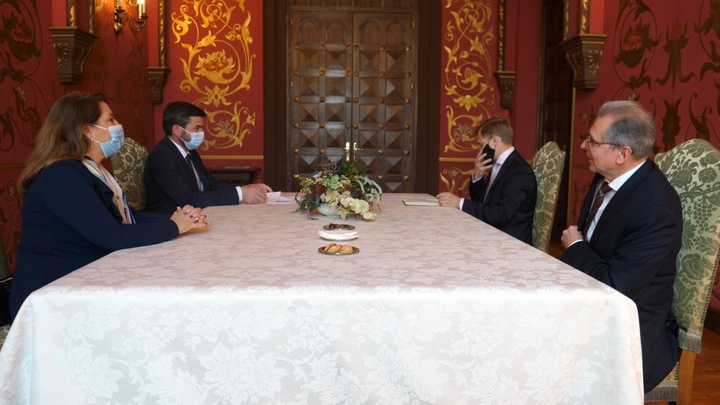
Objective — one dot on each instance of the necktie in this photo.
(597, 202)
(491, 179)
(189, 162)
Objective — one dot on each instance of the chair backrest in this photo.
(128, 165)
(548, 166)
(693, 169)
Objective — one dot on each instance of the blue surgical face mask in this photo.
(117, 138)
(196, 139)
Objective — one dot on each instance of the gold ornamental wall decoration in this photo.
(469, 94)
(218, 65)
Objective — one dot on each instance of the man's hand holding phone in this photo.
(483, 162)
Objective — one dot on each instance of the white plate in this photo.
(338, 235)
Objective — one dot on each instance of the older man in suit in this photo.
(629, 231)
(503, 186)
(175, 174)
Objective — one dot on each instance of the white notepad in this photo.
(424, 202)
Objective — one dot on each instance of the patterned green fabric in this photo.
(3, 334)
(693, 168)
(548, 167)
(128, 165)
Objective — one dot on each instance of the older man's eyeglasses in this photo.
(593, 142)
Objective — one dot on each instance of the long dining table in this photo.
(434, 307)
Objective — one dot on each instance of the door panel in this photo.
(385, 107)
(352, 94)
(319, 89)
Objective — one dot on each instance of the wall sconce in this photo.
(123, 17)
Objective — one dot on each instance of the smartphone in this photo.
(489, 153)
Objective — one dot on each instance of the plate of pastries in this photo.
(336, 249)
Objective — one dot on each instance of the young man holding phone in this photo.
(503, 186)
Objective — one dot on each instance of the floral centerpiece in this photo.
(343, 188)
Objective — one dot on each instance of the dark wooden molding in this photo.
(72, 47)
(506, 85)
(584, 53)
(158, 79)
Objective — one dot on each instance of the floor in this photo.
(706, 381)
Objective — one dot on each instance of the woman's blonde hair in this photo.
(61, 136)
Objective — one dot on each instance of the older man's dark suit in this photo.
(171, 183)
(634, 249)
(510, 206)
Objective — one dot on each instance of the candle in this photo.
(141, 7)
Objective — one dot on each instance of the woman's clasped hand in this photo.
(189, 217)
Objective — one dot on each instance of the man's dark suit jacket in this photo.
(69, 219)
(511, 203)
(634, 249)
(171, 183)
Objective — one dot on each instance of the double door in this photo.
(352, 94)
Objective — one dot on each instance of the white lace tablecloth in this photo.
(436, 308)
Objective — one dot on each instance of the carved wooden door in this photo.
(351, 93)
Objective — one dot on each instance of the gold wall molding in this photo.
(566, 19)
(457, 160)
(233, 157)
(584, 53)
(72, 47)
(584, 17)
(159, 74)
(505, 79)
(501, 35)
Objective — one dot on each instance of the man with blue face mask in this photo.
(175, 174)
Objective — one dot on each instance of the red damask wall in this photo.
(29, 85)
(470, 92)
(664, 54)
(214, 52)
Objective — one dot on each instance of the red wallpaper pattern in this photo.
(29, 85)
(664, 55)
(214, 50)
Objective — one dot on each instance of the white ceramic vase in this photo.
(325, 209)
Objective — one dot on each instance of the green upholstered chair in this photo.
(548, 167)
(693, 168)
(5, 280)
(128, 165)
